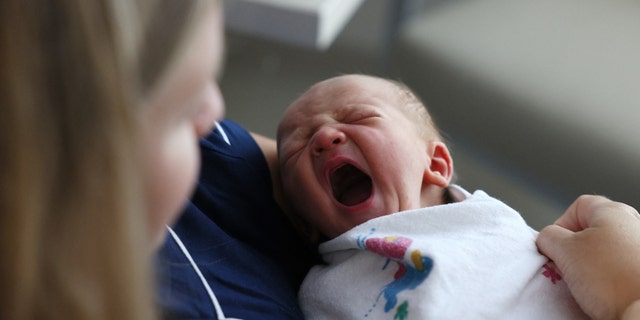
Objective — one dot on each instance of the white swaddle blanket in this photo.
(473, 259)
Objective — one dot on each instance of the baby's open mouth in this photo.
(350, 185)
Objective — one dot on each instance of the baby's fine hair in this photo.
(417, 110)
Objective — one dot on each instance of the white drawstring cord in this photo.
(224, 134)
(214, 300)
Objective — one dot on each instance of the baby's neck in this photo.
(434, 195)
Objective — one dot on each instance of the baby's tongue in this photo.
(351, 186)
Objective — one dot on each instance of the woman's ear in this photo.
(440, 170)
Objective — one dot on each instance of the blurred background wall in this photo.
(538, 98)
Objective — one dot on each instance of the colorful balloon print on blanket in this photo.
(407, 277)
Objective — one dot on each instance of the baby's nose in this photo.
(327, 138)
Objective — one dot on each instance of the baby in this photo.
(363, 163)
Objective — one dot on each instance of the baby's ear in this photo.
(440, 170)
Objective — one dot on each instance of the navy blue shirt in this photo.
(243, 244)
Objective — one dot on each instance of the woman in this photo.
(102, 106)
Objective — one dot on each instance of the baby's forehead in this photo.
(352, 89)
(358, 83)
(340, 95)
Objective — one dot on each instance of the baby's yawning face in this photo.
(348, 153)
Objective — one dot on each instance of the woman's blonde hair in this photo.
(72, 219)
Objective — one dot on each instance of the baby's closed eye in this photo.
(362, 118)
(359, 114)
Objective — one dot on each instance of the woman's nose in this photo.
(327, 138)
